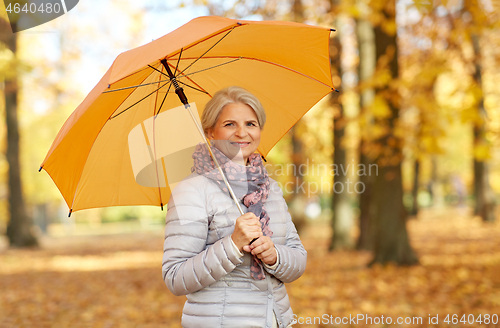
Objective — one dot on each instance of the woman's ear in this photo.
(210, 134)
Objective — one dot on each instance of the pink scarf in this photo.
(249, 183)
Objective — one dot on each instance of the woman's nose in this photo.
(241, 132)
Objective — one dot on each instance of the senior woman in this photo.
(209, 255)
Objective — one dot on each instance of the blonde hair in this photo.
(226, 96)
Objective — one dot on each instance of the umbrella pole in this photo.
(180, 92)
(215, 159)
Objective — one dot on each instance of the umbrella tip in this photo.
(333, 30)
(239, 23)
(161, 206)
(336, 90)
(40, 169)
(70, 210)
(109, 86)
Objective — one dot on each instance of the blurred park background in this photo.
(393, 182)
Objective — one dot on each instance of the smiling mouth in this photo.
(240, 144)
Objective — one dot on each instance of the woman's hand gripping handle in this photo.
(246, 230)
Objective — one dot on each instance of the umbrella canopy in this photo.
(286, 65)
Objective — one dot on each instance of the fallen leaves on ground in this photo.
(115, 280)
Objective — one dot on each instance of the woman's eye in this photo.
(228, 124)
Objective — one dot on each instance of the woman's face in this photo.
(237, 128)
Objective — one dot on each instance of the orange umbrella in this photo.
(286, 65)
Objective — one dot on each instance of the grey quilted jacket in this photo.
(200, 261)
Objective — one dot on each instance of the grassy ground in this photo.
(114, 280)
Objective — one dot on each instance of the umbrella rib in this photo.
(216, 43)
(129, 75)
(155, 162)
(166, 94)
(178, 60)
(156, 96)
(145, 84)
(156, 100)
(187, 85)
(123, 111)
(134, 86)
(206, 69)
(162, 73)
(292, 70)
(196, 84)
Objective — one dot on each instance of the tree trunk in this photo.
(365, 238)
(20, 227)
(297, 201)
(485, 199)
(391, 237)
(391, 243)
(367, 61)
(342, 220)
(416, 171)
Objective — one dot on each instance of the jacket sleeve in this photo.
(188, 264)
(292, 257)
